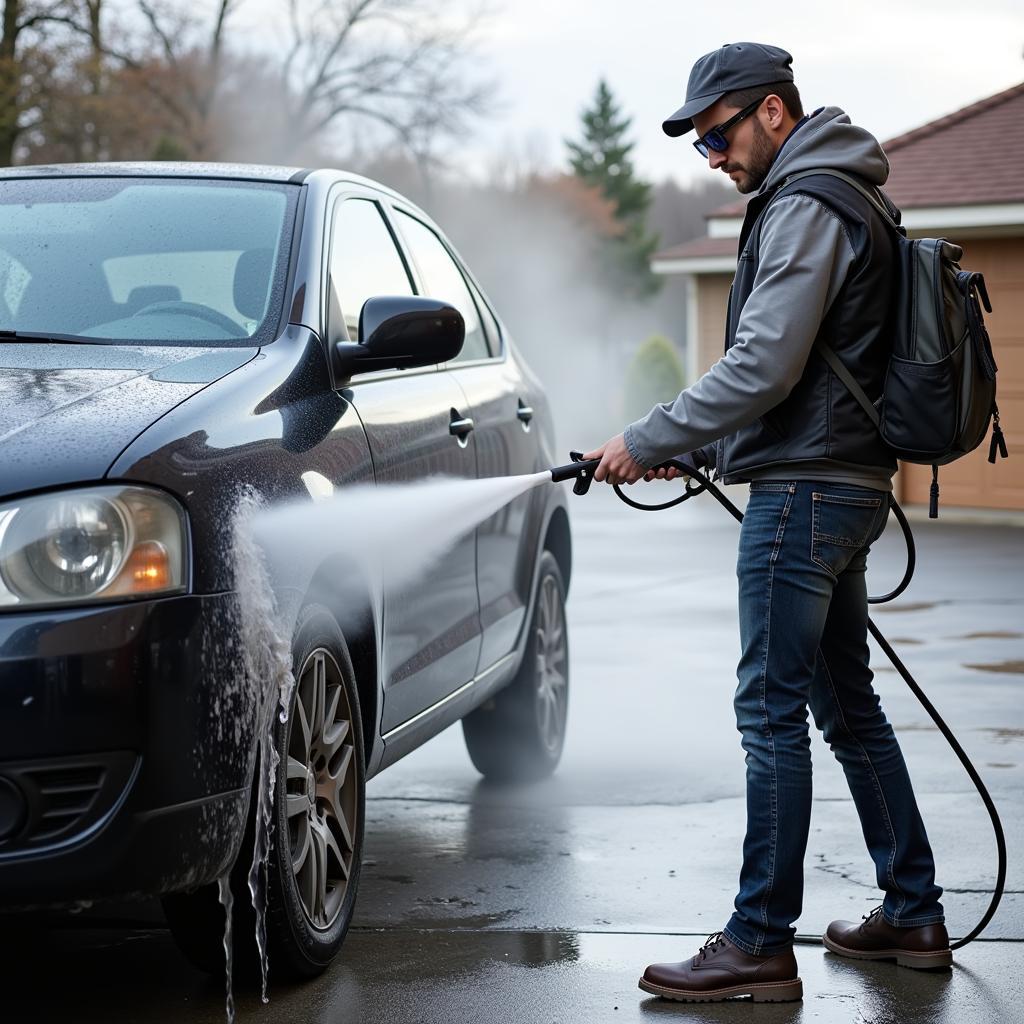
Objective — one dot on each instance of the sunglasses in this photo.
(714, 138)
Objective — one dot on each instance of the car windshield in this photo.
(137, 260)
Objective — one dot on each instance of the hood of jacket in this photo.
(829, 139)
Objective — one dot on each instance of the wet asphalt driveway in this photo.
(544, 903)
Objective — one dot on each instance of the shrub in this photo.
(654, 376)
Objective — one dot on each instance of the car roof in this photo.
(196, 169)
(160, 168)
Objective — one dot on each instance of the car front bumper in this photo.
(126, 748)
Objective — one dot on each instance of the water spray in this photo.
(695, 482)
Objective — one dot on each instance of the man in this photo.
(816, 263)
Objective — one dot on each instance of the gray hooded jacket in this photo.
(804, 256)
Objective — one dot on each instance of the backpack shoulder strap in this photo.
(868, 193)
(827, 353)
(839, 369)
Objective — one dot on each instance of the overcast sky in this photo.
(890, 65)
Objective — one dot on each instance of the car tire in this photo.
(309, 907)
(518, 734)
(316, 849)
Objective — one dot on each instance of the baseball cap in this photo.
(733, 66)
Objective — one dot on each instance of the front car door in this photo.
(501, 407)
(431, 635)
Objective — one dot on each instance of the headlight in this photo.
(101, 544)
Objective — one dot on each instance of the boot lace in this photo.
(867, 920)
(710, 944)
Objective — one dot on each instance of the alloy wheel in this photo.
(321, 788)
(552, 654)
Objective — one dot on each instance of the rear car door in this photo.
(505, 446)
(431, 641)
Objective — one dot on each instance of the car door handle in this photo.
(525, 412)
(460, 427)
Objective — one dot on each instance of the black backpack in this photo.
(939, 394)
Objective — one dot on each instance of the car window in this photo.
(144, 260)
(206, 277)
(364, 259)
(14, 279)
(490, 324)
(442, 279)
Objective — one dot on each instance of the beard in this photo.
(761, 156)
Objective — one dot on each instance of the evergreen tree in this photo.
(602, 160)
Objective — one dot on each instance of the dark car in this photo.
(173, 339)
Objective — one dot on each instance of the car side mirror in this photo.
(399, 332)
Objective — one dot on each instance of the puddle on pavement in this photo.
(995, 634)
(1015, 667)
(460, 923)
(1005, 735)
(909, 606)
(542, 949)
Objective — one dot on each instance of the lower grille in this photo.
(59, 800)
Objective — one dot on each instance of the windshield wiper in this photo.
(74, 339)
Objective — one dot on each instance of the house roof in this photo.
(698, 248)
(971, 156)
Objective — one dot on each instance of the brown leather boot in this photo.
(720, 971)
(875, 939)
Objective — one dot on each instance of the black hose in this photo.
(908, 536)
(997, 826)
(689, 492)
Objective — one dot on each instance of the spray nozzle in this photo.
(581, 469)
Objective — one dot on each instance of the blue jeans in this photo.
(803, 634)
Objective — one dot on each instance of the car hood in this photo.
(68, 410)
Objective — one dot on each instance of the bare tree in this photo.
(103, 79)
(22, 62)
(69, 78)
(163, 58)
(399, 63)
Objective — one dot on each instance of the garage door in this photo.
(972, 481)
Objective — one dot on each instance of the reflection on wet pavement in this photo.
(1005, 735)
(996, 634)
(906, 606)
(1013, 667)
(406, 976)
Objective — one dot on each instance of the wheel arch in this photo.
(345, 593)
(558, 540)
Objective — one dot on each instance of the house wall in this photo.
(712, 300)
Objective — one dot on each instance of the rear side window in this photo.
(442, 279)
(490, 324)
(364, 259)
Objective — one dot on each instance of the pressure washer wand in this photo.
(580, 468)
